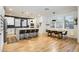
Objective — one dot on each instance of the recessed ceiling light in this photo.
(10, 9)
(53, 12)
(27, 13)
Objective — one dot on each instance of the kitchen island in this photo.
(24, 30)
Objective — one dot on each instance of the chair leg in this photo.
(60, 36)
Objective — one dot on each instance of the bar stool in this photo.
(31, 33)
(22, 34)
(49, 33)
(27, 34)
(46, 30)
(36, 32)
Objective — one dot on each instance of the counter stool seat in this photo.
(36, 32)
(22, 34)
(27, 33)
(31, 33)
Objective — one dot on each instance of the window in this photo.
(69, 22)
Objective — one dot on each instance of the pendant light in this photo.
(54, 16)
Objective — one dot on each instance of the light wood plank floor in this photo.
(43, 43)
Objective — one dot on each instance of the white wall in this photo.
(42, 27)
(78, 27)
(2, 12)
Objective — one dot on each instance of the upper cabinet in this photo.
(10, 22)
(2, 11)
(24, 23)
(17, 22)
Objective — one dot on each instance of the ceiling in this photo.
(32, 11)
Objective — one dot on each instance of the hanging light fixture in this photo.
(53, 12)
(54, 16)
(46, 9)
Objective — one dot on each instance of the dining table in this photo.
(58, 32)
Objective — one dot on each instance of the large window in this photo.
(69, 22)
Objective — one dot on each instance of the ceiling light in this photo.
(53, 12)
(10, 9)
(46, 9)
(27, 13)
(54, 15)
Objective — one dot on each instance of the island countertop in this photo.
(26, 28)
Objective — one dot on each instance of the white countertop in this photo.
(25, 28)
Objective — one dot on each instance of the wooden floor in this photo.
(43, 43)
